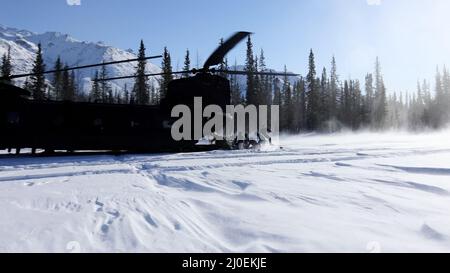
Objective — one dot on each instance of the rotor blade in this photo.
(218, 55)
(194, 71)
(146, 75)
(236, 72)
(81, 67)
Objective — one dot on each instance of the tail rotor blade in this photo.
(146, 75)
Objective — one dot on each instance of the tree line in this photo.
(326, 103)
(319, 101)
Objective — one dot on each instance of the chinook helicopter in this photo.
(86, 126)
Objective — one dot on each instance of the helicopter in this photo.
(87, 126)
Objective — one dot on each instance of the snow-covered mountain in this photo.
(73, 52)
(23, 44)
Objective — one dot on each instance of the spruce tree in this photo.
(141, 87)
(380, 102)
(126, 95)
(249, 68)
(38, 79)
(167, 77)
(439, 109)
(258, 96)
(187, 64)
(65, 84)
(334, 85)
(265, 86)
(303, 104)
(324, 98)
(57, 79)
(357, 105)
(312, 95)
(346, 105)
(369, 99)
(6, 68)
(96, 95)
(105, 87)
(73, 95)
(286, 109)
(446, 93)
(236, 96)
(68, 85)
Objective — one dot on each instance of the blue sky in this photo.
(409, 36)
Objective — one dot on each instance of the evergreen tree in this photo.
(301, 102)
(167, 77)
(66, 94)
(438, 111)
(369, 99)
(6, 68)
(324, 98)
(187, 64)
(57, 79)
(154, 98)
(105, 87)
(126, 95)
(141, 88)
(346, 105)
(446, 93)
(334, 84)
(38, 85)
(68, 85)
(96, 94)
(286, 121)
(250, 69)
(117, 97)
(265, 86)
(312, 95)
(73, 86)
(236, 95)
(380, 104)
(357, 105)
(258, 96)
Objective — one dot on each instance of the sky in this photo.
(409, 36)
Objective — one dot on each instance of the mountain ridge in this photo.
(73, 52)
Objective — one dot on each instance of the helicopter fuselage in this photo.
(65, 125)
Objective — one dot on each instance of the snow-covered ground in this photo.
(337, 193)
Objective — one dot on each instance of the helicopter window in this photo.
(13, 118)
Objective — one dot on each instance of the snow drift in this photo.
(337, 193)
